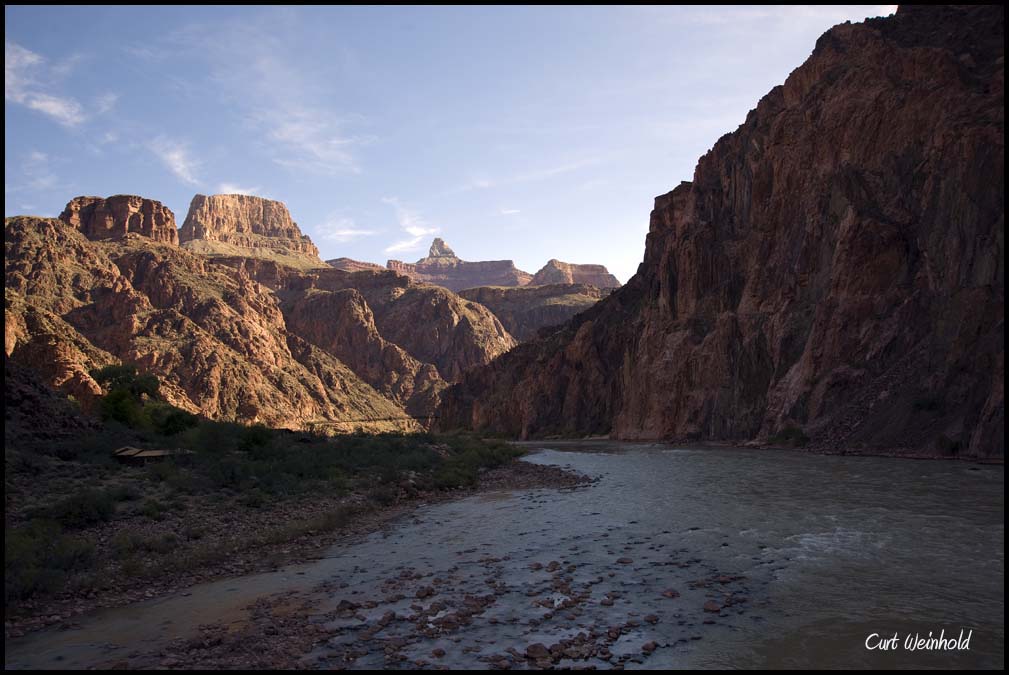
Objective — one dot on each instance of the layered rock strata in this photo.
(246, 225)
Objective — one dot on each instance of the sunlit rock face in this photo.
(117, 216)
(246, 225)
(557, 272)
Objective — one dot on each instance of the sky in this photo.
(522, 133)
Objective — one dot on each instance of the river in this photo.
(798, 559)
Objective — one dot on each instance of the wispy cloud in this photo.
(342, 230)
(530, 176)
(36, 170)
(412, 224)
(257, 66)
(303, 138)
(176, 156)
(509, 212)
(233, 189)
(106, 102)
(29, 81)
(33, 176)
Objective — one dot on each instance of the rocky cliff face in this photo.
(246, 225)
(216, 338)
(432, 325)
(442, 268)
(115, 217)
(557, 272)
(527, 310)
(836, 266)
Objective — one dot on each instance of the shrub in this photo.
(85, 508)
(39, 558)
(153, 509)
(168, 420)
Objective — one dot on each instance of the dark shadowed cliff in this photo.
(836, 267)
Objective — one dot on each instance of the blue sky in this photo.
(522, 133)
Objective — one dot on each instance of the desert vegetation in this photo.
(79, 520)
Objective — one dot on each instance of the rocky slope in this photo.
(443, 268)
(234, 225)
(524, 311)
(836, 267)
(557, 272)
(431, 324)
(216, 338)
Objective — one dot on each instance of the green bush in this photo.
(85, 508)
(39, 558)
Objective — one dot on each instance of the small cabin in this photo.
(130, 455)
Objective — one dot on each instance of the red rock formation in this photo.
(527, 310)
(217, 339)
(442, 268)
(836, 266)
(115, 217)
(557, 272)
(246, 225)
(342, 323)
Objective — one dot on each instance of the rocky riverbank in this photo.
(239, 541)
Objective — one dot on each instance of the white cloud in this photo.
(106, 102)
(509, 212)
(28, 81)
(175, 155)
(413, 224)
(342, 230)
(233, 189)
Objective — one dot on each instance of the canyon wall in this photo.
(834, 272)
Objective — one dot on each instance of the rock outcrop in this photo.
(117, 216)
(442, 268)
(244, 225)
(557, 272)
(217, 339)
(835, 269)
(527, 310)
(351, 265)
